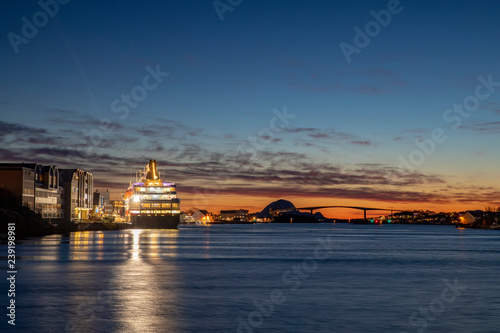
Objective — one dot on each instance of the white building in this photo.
(471, 216)
(202, 216)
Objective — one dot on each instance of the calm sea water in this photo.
(260, 278)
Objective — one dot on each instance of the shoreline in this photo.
(99, 226)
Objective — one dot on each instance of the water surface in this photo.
(260, 278)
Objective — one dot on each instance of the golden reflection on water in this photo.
(81, 243)
(90, 245)
(140, 287)
(145, 285)
(153, 244)
(135, 244)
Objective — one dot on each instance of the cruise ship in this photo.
(150, 202)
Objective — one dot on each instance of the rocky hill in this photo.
(276, 205)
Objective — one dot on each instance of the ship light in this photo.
(137, 198)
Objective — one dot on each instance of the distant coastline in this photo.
(31, 224)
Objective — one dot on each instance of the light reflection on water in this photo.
(100, 281)
(140, 287)
(201, 279)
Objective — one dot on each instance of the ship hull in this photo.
(155, 222)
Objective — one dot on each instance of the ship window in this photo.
(142, 189)
(155, 205)
(165, 205)
(175, 205)
(146, 205)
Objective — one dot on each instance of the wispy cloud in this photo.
(18, 129)
(485, 128)
(362, 88)
(491, 106)
(319, 134)
(198, 164)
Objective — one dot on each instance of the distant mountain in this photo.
(276, 205)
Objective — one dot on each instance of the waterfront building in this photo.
(471, 216)
(34, 186)
(97, 203)
(102, 205)
(118, 208)
(48, 193)
(186, 218)
(256, 217)
(19, 180)
(202, 216)
(78, 193)
(240, 215)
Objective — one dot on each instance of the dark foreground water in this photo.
(260, 278)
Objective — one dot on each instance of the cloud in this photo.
(491, 106)
(325, 192)
(267, 174)
(18, 129)
(14, 134)
(362, 142)
(362, 88)
(76, 120)
(301, 130)
(164, 128)
(368, 81)
(377, 73)
(11, 155)
(62, 112)
(270, 172)
(331, 135)
(486, 128)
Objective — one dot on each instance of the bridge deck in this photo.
(364, 209)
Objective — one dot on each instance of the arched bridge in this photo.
(364, 209)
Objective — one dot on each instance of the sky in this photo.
(387, 104)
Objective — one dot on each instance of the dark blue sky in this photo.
(353, 121)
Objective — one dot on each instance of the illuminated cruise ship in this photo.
(151, 202)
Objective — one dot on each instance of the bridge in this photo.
(364, 209)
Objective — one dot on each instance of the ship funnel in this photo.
(152, 173)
